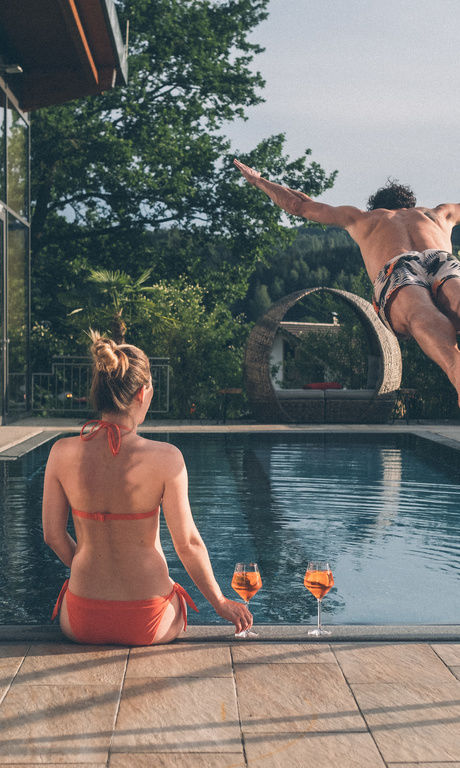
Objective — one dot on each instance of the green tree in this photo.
(141, 180)
(115, 293)
(110, 172)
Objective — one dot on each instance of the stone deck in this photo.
(231, 704)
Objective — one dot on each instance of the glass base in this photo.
(245, 633)
(318, 632)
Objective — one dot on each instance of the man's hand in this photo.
(249, 173)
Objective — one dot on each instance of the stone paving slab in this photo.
(23, 446)
(11, 658)
(281, 653)
(448, 652)
(57, 723)
(190, 659)
(318, 750)
(277, 698)
(424, 765)
(70, 664)
(175, 760)
(182, 714)
(10, 436)
(412, 722)
(372, 663)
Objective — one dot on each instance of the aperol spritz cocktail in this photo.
(318, 580)
(246, 582)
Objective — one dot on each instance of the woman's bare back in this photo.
(116, 559)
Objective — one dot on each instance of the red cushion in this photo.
(323, 385)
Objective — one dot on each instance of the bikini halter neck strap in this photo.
(114, 433)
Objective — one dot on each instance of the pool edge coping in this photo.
(428, 431)
(290, 633)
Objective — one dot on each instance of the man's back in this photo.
(383, 234)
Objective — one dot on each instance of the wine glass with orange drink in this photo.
(246, 582)
(318, 580)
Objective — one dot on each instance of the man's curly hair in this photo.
(392, 196)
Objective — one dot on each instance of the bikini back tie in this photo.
(113, 433)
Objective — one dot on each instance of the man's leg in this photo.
(448, 300)
(411, 311)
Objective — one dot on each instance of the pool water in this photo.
(384, 511)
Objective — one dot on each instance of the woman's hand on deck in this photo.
(237, 613)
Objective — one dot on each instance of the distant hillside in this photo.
(316, 257)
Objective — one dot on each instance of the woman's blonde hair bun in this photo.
(119, 371)
(108, 357)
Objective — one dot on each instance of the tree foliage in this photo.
(141, 179)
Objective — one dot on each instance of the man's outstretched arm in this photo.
(299, 204)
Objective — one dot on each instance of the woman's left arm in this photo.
(55, 512)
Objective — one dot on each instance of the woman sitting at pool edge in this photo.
(114, 481)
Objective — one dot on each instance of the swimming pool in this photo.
(385, 512)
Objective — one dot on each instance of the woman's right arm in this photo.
(55, 512)
(190, 546)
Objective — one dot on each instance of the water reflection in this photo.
(387, 510)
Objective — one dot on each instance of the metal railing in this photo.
(65, 389)
(17, 392)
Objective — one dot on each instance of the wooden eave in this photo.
(67, 49)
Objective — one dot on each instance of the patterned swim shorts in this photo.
(430, 269)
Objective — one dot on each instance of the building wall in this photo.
(276, 361)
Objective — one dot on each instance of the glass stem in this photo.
(319, 614)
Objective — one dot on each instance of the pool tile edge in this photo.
(268, 633)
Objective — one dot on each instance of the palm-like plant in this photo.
(119, 293)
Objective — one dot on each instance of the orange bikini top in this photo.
(104, 516)
(113, 433)
(114, 440)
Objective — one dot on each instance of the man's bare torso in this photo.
(383, 234)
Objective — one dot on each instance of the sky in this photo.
(370, 86)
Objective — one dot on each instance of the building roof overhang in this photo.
(66, 49)
(290, 329)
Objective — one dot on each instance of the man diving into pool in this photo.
(406, 250)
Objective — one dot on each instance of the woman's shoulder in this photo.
(62, 449)
(64, 444)
(160, 450)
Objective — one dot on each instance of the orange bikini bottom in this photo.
(119, 622)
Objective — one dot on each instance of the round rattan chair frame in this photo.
(264, 401)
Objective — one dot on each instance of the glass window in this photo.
(17, 170)
(17, 312)
(2, 329)
(2, 147)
